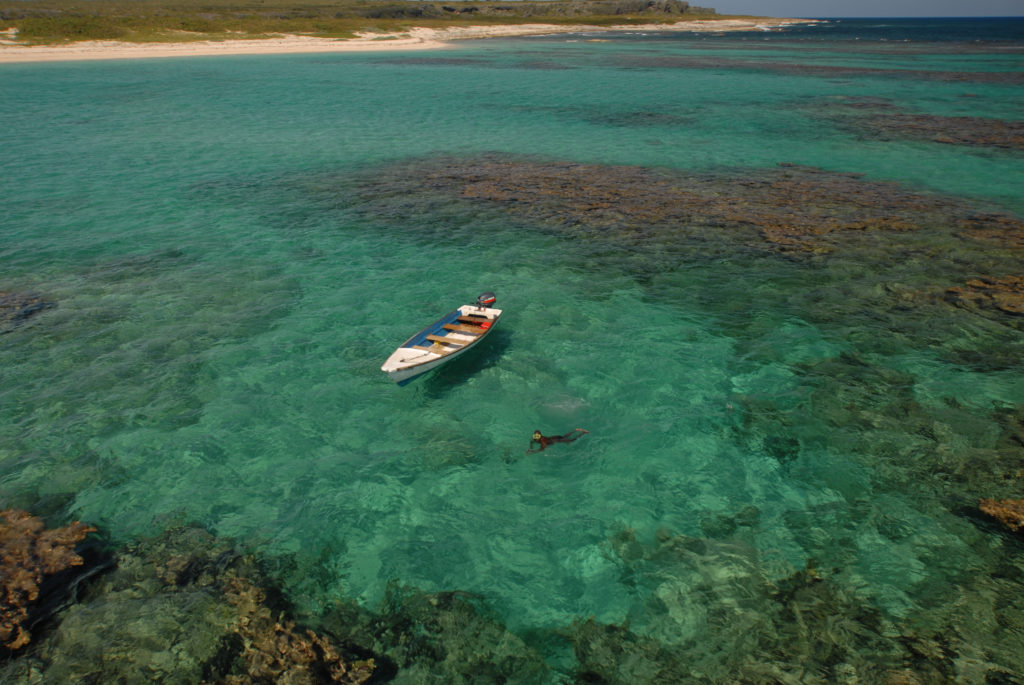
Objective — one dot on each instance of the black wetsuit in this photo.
(543, 441)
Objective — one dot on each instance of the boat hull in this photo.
(440, 342)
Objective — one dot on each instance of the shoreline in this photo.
(414, 39)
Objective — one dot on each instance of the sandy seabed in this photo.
(414, 39)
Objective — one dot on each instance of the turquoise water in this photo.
(230, 271)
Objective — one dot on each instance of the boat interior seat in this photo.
(470, 330)
(448, 341)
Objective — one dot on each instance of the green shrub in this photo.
(404, 10)
(69, 27)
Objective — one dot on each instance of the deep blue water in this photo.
(988, 31)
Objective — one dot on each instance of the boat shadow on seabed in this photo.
(443, 380)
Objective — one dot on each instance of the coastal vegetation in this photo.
(60, 21)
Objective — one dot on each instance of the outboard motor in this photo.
(486, 300)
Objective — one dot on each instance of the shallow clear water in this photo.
(225, 297)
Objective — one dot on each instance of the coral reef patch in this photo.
(886, 258)
(184, 607)
(1009, 512)
(790, 209)
(29, 552)
(1001, 230)
(187, 607)
(1005, 295)
(274, 650)
(880, 119)
(820, 70)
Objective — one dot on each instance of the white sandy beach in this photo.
(415, 39)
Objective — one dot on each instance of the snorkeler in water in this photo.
(543, 440)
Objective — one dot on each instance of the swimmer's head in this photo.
(537, 435)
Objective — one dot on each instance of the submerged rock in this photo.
(16, 308)
(711, 616)
(447, 637)
(693, 586)
(784, 449)
(613, 654)
(716, 525)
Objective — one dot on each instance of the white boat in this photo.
(450, 336)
